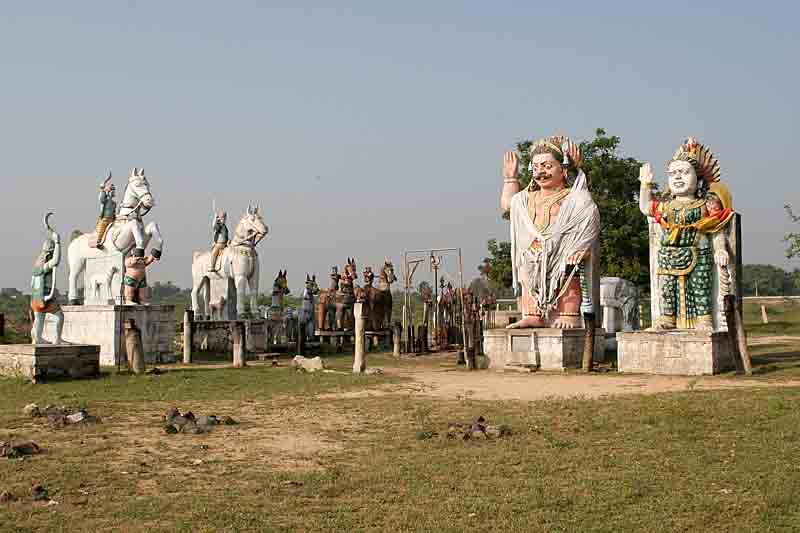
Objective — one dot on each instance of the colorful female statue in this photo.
(693, 250)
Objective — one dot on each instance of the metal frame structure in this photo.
(432, 255)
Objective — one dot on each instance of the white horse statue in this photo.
(237, 262)
(127, 231)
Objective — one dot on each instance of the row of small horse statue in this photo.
(335, 309)
(332, 309)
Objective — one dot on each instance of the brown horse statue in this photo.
(326, 307)
(346, 297)
(380, 299)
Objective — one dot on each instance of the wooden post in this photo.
(764, 318)
(411, 342)
(2, 325)
(301, 337)
(588, 344)
(737, 336)
(359, 361)
(133, 347)
(188, 336)
(239, 344)
(397, 332)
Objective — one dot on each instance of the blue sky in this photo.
(367, 128)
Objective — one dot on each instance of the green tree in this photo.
(496, 268)
(769, 280)
(614, 183)
(792, 239)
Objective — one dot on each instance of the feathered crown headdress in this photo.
(561, 147)
(701, 158)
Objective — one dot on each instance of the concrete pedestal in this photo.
(215, 336)
(678, 352)
(103, 325)
(539, 348)
(39, 362)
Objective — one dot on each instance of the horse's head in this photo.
(369, 276)
(281, 284)
(251, 227)
(311, 285)
(138, 196)
(350, 269)
(387, 274)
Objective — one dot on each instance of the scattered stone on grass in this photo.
(38, 493)
(155, 371)
(373, 371)
(59, 416)
(175, 422)
(306, 364)
(11, 450)
(478, 430)
(6, 497)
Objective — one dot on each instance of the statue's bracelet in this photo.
(510, 180)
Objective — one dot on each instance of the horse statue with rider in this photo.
(235, 262)
(120, 230)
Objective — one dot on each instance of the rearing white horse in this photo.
(127, 231)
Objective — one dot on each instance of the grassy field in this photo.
(309, 455)
(311, 452)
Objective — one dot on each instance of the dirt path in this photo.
(428, 380)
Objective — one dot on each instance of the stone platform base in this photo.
(539, 348)
(215, 336)
(679, 352)
(103, 325)
(43, 361)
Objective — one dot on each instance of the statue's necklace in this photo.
(535, 199)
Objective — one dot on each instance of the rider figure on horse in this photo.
(220, 239)
(108, 210)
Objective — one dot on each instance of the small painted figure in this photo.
(220, 239)
(135, 278)
(43, 286)
(108, 210)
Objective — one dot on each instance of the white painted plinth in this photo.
(39, 362)
(541, 348)
(103, 325)
(678, 352)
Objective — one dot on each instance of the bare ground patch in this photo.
(430, 379)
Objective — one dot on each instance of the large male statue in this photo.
(43, 285)
(554, 227)
(693, 249)
(220, 238)
(108, 210)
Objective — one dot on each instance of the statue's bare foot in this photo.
(704, 327)
(527, 322)
(567, 322)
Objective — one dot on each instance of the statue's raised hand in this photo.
(510, 165)
(646, 174)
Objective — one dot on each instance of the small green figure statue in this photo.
(43, 286)
(220, 239)
(108, 210)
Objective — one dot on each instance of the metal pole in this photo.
(405, 291)
(470, 363)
